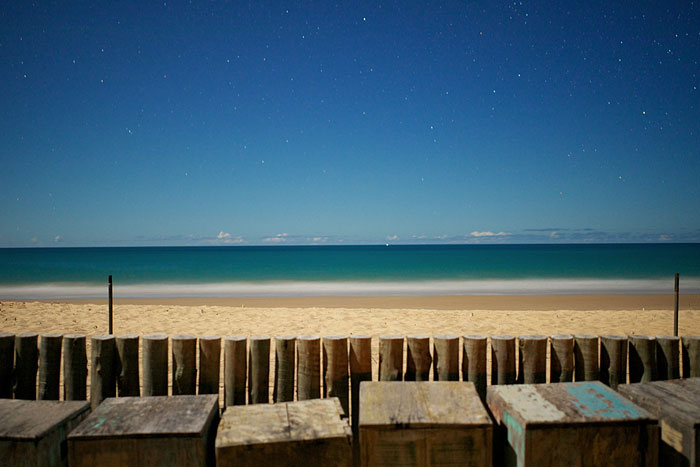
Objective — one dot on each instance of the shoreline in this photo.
(548, 302)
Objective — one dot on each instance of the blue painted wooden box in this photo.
(570, 424)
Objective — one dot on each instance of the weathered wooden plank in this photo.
(34, 432)
(157, 430)
(291, 433)
(502, 359)
(128, 365)
(184, 367)
(424, 423)
(446, 357)
(284, 369)
(26, 365)
(235, 370)
(561, 365)
(308, 367)
(7, 362)
(390, 358)
(360, 359)
(583, 423)
(642, 358)
(586, 366)
(418, 359)
(209, 363)
(474, 362)
(74, 367)
(668, 357)
(49, 367)
(676, 403)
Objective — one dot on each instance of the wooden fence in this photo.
(310, 367)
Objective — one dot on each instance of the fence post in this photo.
(284, 369)
(532, 359)
(308, 367)
(418, 359)
(642, 358)
(502, 359)
(155, 364)
(667, 357)
(74, 367)
(335, 370)
(209, 364)
(7, 362)
(235, 370)
(613, 360)
(675, 307)
(26, 356)
(561, 361)
(360, 370)
(49, 366)
(111, 314)
(259, 370)
(691, 356)
(586, 366)
(474, 362)
(103, 379)
(184, 367)
(446, 357)
(128, 365)
(390, 358)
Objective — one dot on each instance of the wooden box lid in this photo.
(283, 422)
(31, 420)
(677, 398)
(422, 404)
(563, 404)
(139, 417)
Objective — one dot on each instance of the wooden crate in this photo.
(567, 424)
(303, 433)
(676, 403)
(161, 430)
(34, 432)
(423, 423)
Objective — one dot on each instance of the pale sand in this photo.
(373, 316)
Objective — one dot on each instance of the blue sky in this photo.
(178, 123)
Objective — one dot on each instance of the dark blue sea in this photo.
(249, 271)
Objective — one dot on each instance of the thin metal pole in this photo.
(675, 308)
(111, 317)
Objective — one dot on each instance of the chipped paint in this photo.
(597, 401)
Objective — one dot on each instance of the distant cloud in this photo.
(279, 238)
(319, 239)
(392, 237)
(57, 239)
(223, 235)
(488, 233)
(226, 238)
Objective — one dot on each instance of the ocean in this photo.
(250, 271)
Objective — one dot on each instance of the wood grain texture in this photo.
(691, 356)
(154, 363)
(642, 358)
(677, 405)
(668, 357)
(74, 367)
(390, 358)
(586, 365)
(613, 360)
(184, 368)
(235, 370)
(209, 363)
(474, 362)
(446, 357)
(424, 423)
(259, 370)
(532, 358)
(128, 366)
(34, 432)
(502, 359)
(284, 369)
(584, 423)
(49, 367)
(336, 378)
(291, 433)
(103, 375)
(418, 358)
(561, 367)
(308, 367)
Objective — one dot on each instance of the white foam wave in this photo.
(351, 288)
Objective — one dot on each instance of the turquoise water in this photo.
(348, 270)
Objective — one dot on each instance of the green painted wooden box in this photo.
(423, 423)
(570, 424)
(677, 405)
(147, 431)
(33, 433)
(305, 433)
